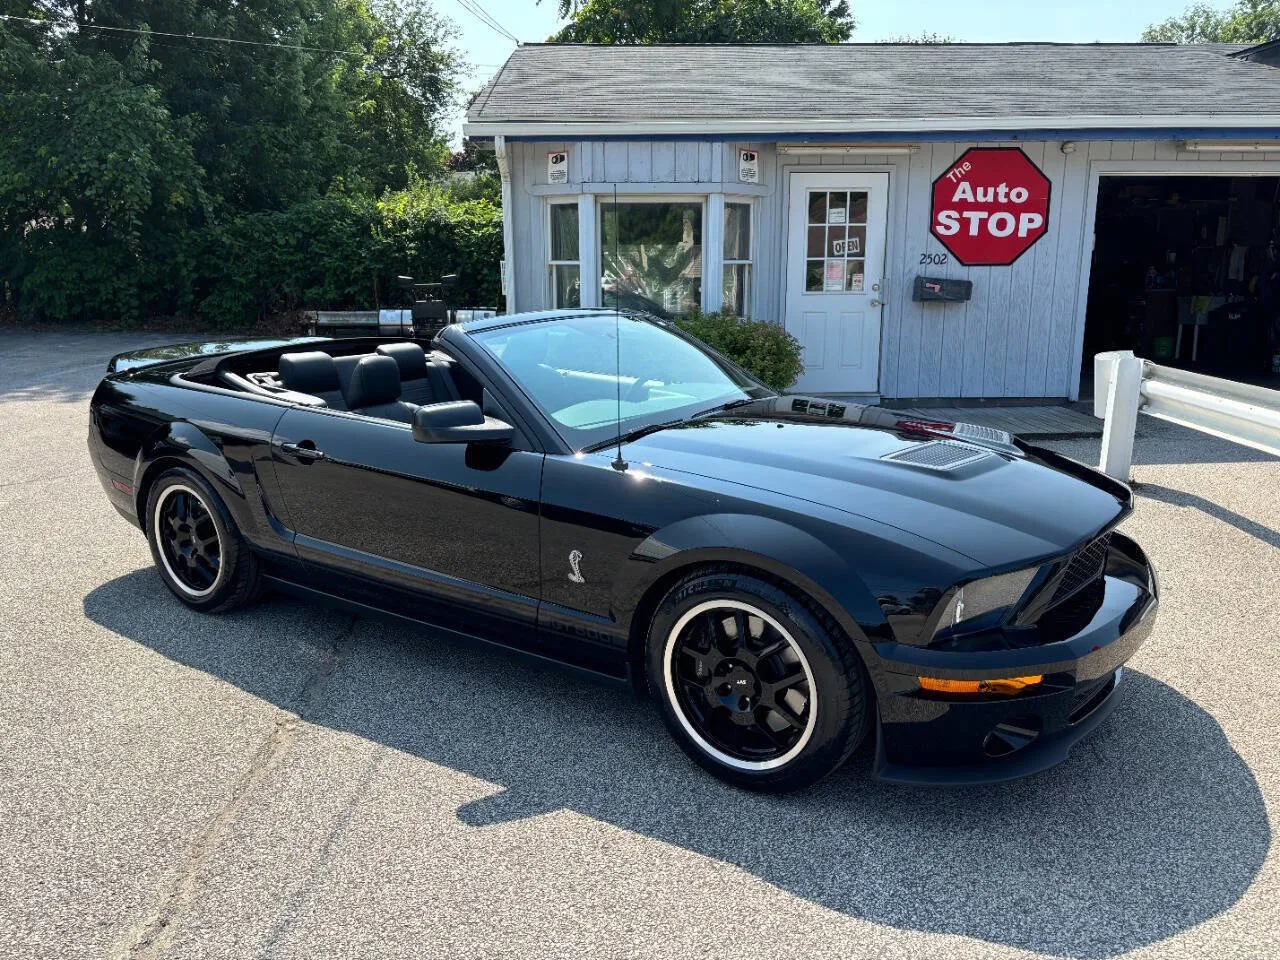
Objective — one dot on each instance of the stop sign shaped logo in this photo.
(990, 206)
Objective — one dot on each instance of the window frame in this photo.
(750, 262)
(702, 199)
(549, 273)
(826, 258)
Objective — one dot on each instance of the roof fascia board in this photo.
(949, 128)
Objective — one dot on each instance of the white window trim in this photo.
(597, 202)
(548, 273)
(750, 261)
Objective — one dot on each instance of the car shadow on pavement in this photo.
(1154, 825)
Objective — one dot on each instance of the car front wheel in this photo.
(755, 683)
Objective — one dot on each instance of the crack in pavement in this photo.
(156, 934)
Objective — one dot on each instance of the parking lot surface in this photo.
(289, 782)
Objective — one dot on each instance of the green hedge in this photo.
(332, 253)
(764, 349)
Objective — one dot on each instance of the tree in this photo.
(133, 131)
(1249, 21)
(706, 21)
(924, 38)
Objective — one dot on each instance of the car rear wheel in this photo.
(757, 685)
(200, 554)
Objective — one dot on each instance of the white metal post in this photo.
(1104, 369)
(1124, 395)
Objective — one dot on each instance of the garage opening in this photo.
(1186, 272)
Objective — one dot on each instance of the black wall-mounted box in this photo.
(941, 289)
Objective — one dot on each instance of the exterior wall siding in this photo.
(1021, 334)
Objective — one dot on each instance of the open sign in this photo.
(991, 206)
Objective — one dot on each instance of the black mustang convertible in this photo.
(791, 578)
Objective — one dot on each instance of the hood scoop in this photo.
(942, 455)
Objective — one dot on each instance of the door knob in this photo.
(302, 452)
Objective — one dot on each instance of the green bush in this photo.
(762, 348)
(331, 253)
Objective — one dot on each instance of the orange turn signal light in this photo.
(1005, 685)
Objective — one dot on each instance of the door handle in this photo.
(302, 452)
(877, 300)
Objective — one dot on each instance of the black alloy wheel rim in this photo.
(741, 685)
(188, 540)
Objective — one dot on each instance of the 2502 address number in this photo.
(934, 259)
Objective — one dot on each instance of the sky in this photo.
(983, 21)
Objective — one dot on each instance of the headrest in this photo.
(410, 357)
(312, 372)
(376, 380)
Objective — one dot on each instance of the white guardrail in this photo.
(1124, 385)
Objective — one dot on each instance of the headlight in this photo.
(984, 603)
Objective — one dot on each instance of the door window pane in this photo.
(838, 207)
(564, 231)
(817, 241)
(813, 276)
(817, 206)
(855, 275)
(858, 207)
(651, 255)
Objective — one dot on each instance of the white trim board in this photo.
(1265, 122)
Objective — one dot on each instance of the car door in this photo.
(444, 532)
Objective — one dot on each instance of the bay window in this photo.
(651, 255)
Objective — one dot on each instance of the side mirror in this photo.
(459, 421)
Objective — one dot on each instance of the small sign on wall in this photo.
(749, 166)
(558, 166)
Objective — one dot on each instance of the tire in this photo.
(777, 713)
(200, 528)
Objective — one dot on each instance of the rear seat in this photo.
(313, 373)
(374, 390)
(422, 380)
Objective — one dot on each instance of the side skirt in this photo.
(364, 609)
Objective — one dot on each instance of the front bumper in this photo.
(924, 738)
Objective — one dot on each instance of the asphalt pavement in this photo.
(290, 782)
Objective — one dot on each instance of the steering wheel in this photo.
(638, 390)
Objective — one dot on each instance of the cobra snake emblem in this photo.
(575, 556)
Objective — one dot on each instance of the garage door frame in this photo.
(1264, 165)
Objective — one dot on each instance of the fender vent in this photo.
(938, 455)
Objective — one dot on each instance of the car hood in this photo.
(994, 504)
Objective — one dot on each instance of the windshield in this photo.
(574, 368)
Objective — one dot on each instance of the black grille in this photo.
(1068, 617)
(1089, 697)
(1084, 568)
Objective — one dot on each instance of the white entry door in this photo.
(835, 271)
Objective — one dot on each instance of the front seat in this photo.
(312, 372)
(421, 380)
(375, 391)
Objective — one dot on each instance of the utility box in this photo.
(942, 290)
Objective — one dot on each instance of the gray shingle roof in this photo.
(866, 83)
